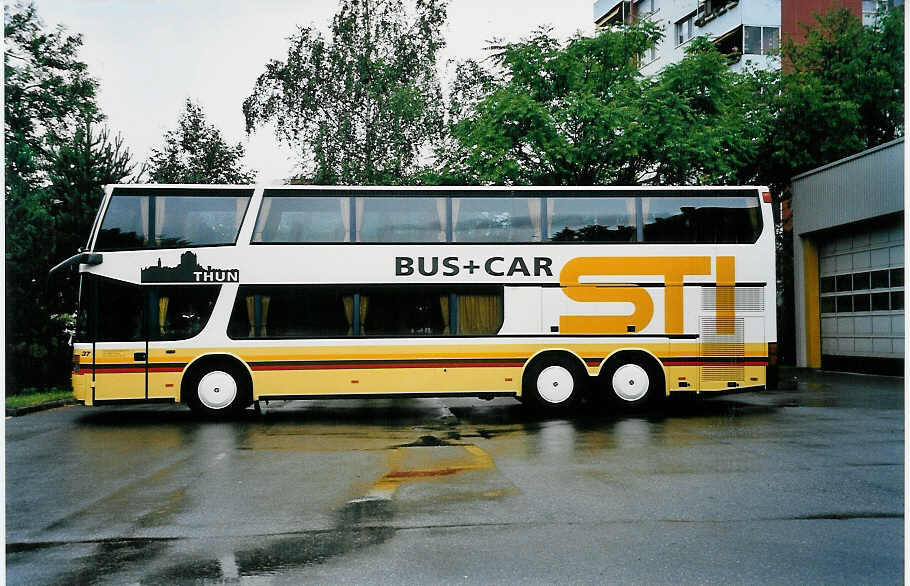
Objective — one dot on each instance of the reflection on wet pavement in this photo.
(151, 496)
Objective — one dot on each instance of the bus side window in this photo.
(122, 310)
(491, 219)
(172, 218)
(180, 312)
(288, 219)
(709, 220)
(591, 219)
(288, 311)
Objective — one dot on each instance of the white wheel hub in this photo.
(631, 382)
(555, 384)
(217, 390)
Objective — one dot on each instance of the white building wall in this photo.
(666, 13)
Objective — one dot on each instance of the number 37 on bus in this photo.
(220, 296)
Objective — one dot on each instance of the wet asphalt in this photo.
(803, 486)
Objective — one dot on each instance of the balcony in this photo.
(611, 13)
(708, 10)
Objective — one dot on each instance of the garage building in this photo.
(848, 225)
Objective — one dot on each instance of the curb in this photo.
(11, 412)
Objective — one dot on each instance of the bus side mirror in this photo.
(85, 258)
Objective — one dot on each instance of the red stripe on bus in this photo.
(130, 370)
(363, 365)
(712, 363)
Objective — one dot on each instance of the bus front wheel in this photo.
(217, 390)
(553, 382)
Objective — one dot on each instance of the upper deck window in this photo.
(288, 219)
(401, 219)
(496, 219)
(709, 220)
(591, 219)
(172, 218)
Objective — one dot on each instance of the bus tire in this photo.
(632, 381)
(553, 382)
(217, 389)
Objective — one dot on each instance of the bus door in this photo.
(119, 333)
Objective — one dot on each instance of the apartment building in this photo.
(747, 31)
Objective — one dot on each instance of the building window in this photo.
(651, 55)
(761, 40)
(685, 29)
(645, 8)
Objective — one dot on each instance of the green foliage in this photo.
(361, 107)
(580, 113)
(30, 397)
(842, 92)
(55, 168)
(197, 153)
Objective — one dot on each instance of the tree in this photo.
(197, 153)
(361, 107)
(54, 168)
(580, 113)
(704, 123)
(842, 92)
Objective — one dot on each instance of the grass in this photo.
(30, 397)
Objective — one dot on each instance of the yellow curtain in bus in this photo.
(162, 313)
(479, 314)
(346, 219)
(348, 301)
(251, 314)
(534, 212)
(444, 306)
(144, 218)
(264, 301)
(364, 304)
(441, 215)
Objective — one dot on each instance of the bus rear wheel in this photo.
(632, 381)
(217, 390)
(553, 383)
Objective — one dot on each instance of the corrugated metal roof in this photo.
(860, 187)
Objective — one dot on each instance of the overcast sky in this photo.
(150, 55)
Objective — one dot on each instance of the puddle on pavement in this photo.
(444, 457)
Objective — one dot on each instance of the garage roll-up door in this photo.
(861, 289)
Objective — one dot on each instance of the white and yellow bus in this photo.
(220, 296)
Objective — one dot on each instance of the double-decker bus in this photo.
(220, 296)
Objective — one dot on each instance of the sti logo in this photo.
(673, 269)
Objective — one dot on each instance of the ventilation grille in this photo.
(722, 338)
(744, 299)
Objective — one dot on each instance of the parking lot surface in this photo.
(803, 486)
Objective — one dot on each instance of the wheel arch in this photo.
(619, 354)
(543, 355)
(616, 354)
(203, 359)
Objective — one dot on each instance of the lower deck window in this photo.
(308, 311)
(115, 311)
